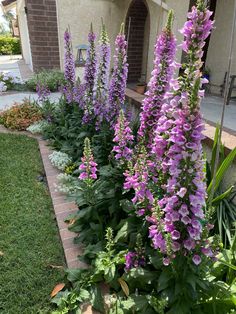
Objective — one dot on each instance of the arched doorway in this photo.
(137, 27)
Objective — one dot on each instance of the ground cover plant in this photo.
(29, 241)
(142, 192)
(21, 116)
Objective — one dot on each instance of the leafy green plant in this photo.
(65, 129)
(224, 268)
(70, 301)
(9, 45)
(107, 261)
(223, 209)
(100, 207)
(52, 79)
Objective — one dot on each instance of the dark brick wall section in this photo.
(138, 14)
(43, 33)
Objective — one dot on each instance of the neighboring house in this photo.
(42, 24)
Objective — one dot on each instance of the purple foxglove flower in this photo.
(137, 178)
(159, 84)
(89, 76)
(177, 145)
(43, 92)
(119, 78)
(134, 260)
(69, 62)
(123, 138)
(88, 168)
(100, 91)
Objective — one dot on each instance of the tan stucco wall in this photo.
(24, 34)
(218, 52)
(80, 13)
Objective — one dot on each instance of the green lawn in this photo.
(29, 240)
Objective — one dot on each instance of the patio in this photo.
(211, 108)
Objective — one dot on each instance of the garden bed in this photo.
(30, 247)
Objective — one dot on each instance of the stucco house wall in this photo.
(24, 34)
(80, 13)
(218, 52)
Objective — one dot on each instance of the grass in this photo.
(29, 240)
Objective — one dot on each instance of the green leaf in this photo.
(110, 274)
(141, 303)
(227, 264)
(82, 135)
(97, 299)
(221, 171)
(84, 294)
(156, 261)
(214, 148)
(127, 206)
(127, 304)
(122, 233)
(163, 281)
(224, 195)
(75, 274)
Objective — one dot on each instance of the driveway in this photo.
(16, 66)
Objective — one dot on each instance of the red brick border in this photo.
(62, 208)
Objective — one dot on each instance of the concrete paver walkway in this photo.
(211, 108)
(8, 99)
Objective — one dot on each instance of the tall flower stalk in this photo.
(89, 76)
(100, 92)
(123, 139)
(88, 166)
(178, 219)
(159, 84)
(119, 78)
(69, 62)
(137, 177)
(43, 92)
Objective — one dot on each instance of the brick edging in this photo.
(62, 208)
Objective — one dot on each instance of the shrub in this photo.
(21, 116)
(52, 79)
(9, 46)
